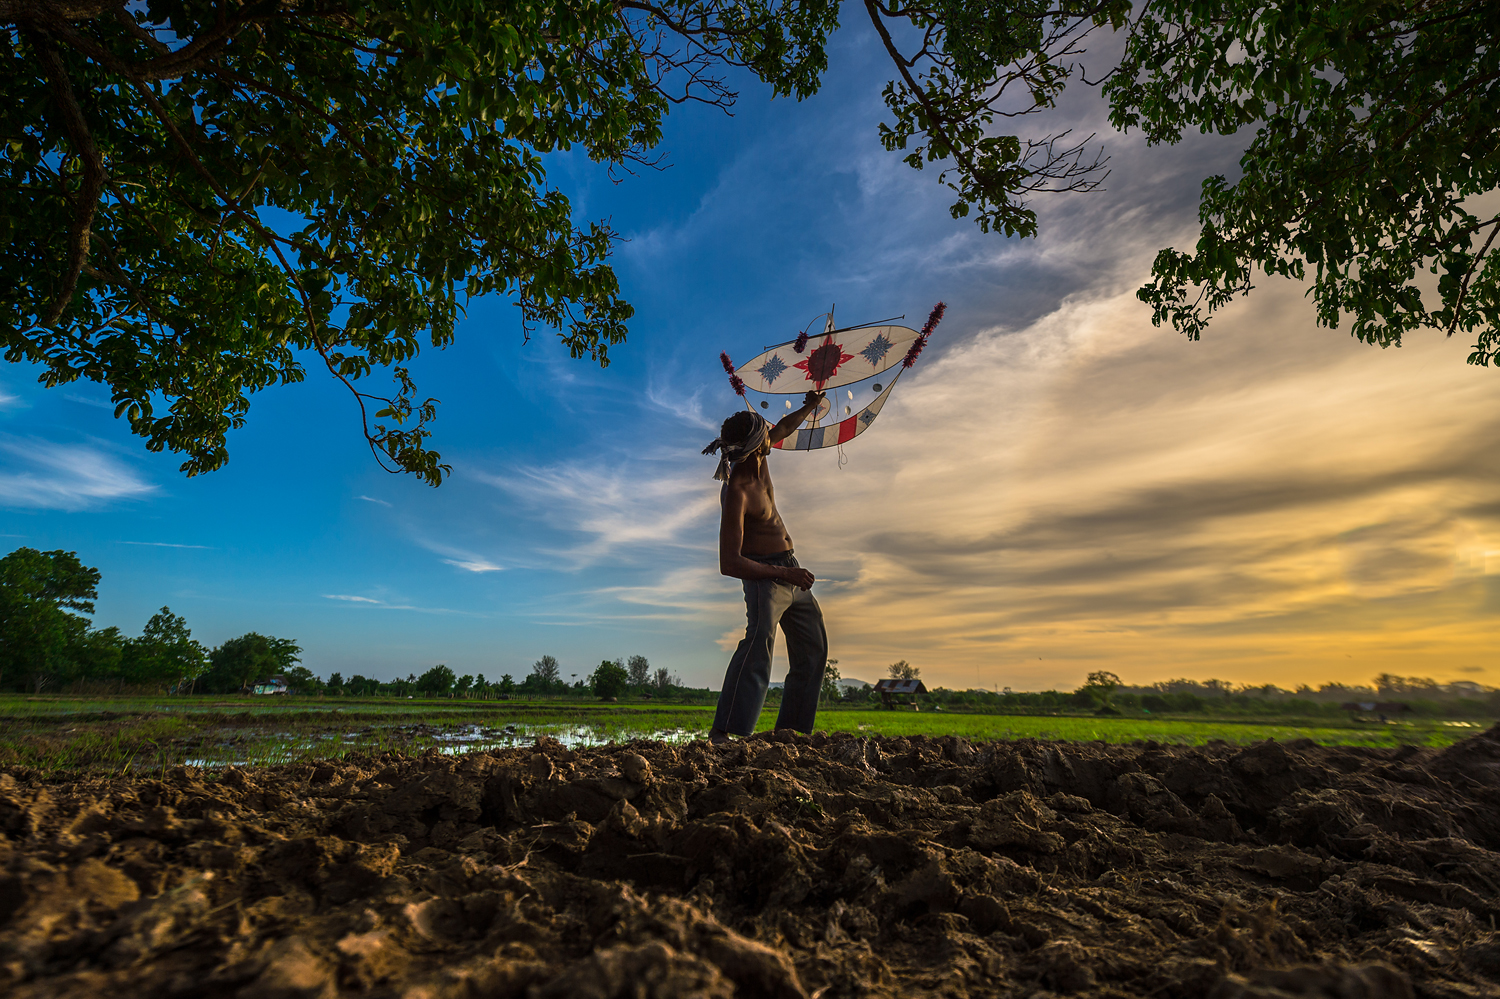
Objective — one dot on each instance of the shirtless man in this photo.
(754, 546)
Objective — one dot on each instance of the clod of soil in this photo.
(784, 867)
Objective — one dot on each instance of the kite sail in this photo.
(827, 361)
(850, 365)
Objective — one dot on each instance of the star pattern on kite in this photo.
(876, 349)
(830, 360)
(772, 369)
(823, 363)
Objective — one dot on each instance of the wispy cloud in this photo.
(616, 512)
(85, 400)
(9, 401)
(162, 544)
(372, 499)
(473, 565)
(1059, 486)
(387, 605)
(65, 476)
(461, 558)
(1094, 490)
(694, 594)
(669, 398)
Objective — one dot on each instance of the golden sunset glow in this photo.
(1275, 504)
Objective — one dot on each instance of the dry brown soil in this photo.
(784, 867)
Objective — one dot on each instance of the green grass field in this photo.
(145, 734)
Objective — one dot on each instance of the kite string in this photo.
(843, 458)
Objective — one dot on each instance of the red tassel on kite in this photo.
(933, 318)
(735, 382)
(801, 343)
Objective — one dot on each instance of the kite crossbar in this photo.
(842, 329)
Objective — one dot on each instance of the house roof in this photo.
(900, 687)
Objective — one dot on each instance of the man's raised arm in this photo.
(787, 425)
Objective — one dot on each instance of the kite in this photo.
(849, 364)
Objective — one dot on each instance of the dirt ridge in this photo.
(787, 866)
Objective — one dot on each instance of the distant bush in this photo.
(438, 680)
(609, 680)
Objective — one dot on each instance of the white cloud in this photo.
(85, 400)
(688, 408)
(461, 558)
(631, 509)
(65, 476)
(1093, 489)
(1060, 479)
(385, 605)
(474, 565)
(691, 594)
(8, 401)
(161, 544)
(372, 499)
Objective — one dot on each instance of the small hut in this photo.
(890, 690)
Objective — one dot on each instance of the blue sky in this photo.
(1058, 486)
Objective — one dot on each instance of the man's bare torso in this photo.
(765, 534)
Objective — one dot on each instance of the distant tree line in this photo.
(46, 643)
(1104, 693)
(612, 678)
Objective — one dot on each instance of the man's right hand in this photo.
(800, 578)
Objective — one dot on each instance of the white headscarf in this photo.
(736, 453)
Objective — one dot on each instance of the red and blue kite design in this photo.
(851, 360)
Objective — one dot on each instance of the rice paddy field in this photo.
(61, 735)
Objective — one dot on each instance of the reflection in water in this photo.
(253, 747)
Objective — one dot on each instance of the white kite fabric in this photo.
(846, 365)
(828, 361)
(833, 434)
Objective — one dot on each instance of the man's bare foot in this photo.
(718, 737)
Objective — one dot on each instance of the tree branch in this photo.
(94, 176)
(1463, 289)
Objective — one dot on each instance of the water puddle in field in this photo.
(251, 747)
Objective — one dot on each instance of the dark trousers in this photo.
(769, 602)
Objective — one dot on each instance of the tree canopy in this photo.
(1375, 131)
(609, 680)
(438, 680)
(42, 595)
(241, 662)
(903, 670)
(199, 198)
(165, 653)
(547, 670)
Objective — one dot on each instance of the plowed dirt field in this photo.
(786, 866)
